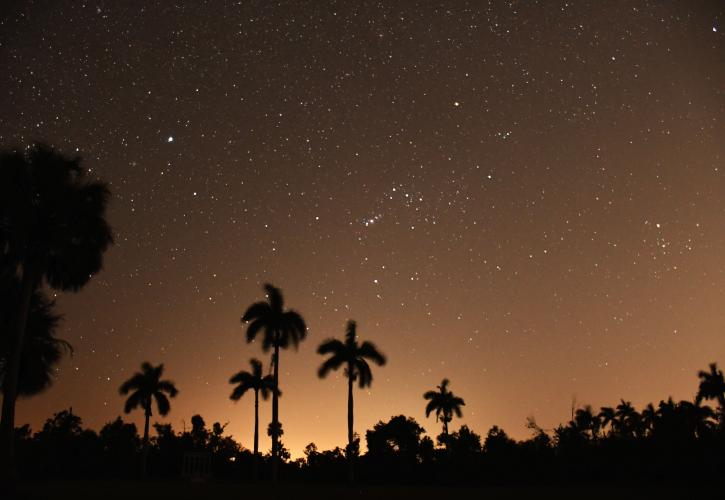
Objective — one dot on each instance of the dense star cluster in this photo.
(526, 198)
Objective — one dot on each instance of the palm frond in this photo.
(332, 363)
(370, 351)
(239, 391)
(135, 382)
(256, 368)
(430, 395)
(254, 328)
(331, 346)
(274, 296)
(168, 387)
(133, 402)
(162, 403)
(294, 328)
(258, 310)
(430, 407)
(365, 376)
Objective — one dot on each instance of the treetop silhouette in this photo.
(445, 404)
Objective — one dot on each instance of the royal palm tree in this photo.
(53, 231)
(445, 404)
(42, 350)
(282, 328)
(712, 386)
(145, 387)
(255, 381)
(354, 358)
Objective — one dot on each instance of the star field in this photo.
(524, 197)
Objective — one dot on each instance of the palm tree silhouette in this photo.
(587, 422)
(607, 417)
(627, 418)
(41, 350)
(255, 381)
(53, 231)
(712, 386)
(146, 386)
(281, 329)
(445, 404)
(666, 409)
(696, 418)
(649, 418)
(353, 357)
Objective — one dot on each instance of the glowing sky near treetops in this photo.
(524, 197)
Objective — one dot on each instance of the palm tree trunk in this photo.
(350, 453)
(145, 451)
(8, 468)
(256, 434)
(275, 416)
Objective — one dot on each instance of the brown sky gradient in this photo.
(526, 198)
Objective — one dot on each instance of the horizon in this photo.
(184, 424)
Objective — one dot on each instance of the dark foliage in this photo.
(683, 444)
(42, 350)
(53, 231)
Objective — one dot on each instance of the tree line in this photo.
(678, 442)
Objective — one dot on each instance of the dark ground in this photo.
(127, 490)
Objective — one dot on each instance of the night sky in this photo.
(525, 197)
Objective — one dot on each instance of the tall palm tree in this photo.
(145, 387)
(42, 350)
(281, 328)
(445, 404)
(712, 386)
(353, 357)
(53, 230)
(253, 381)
